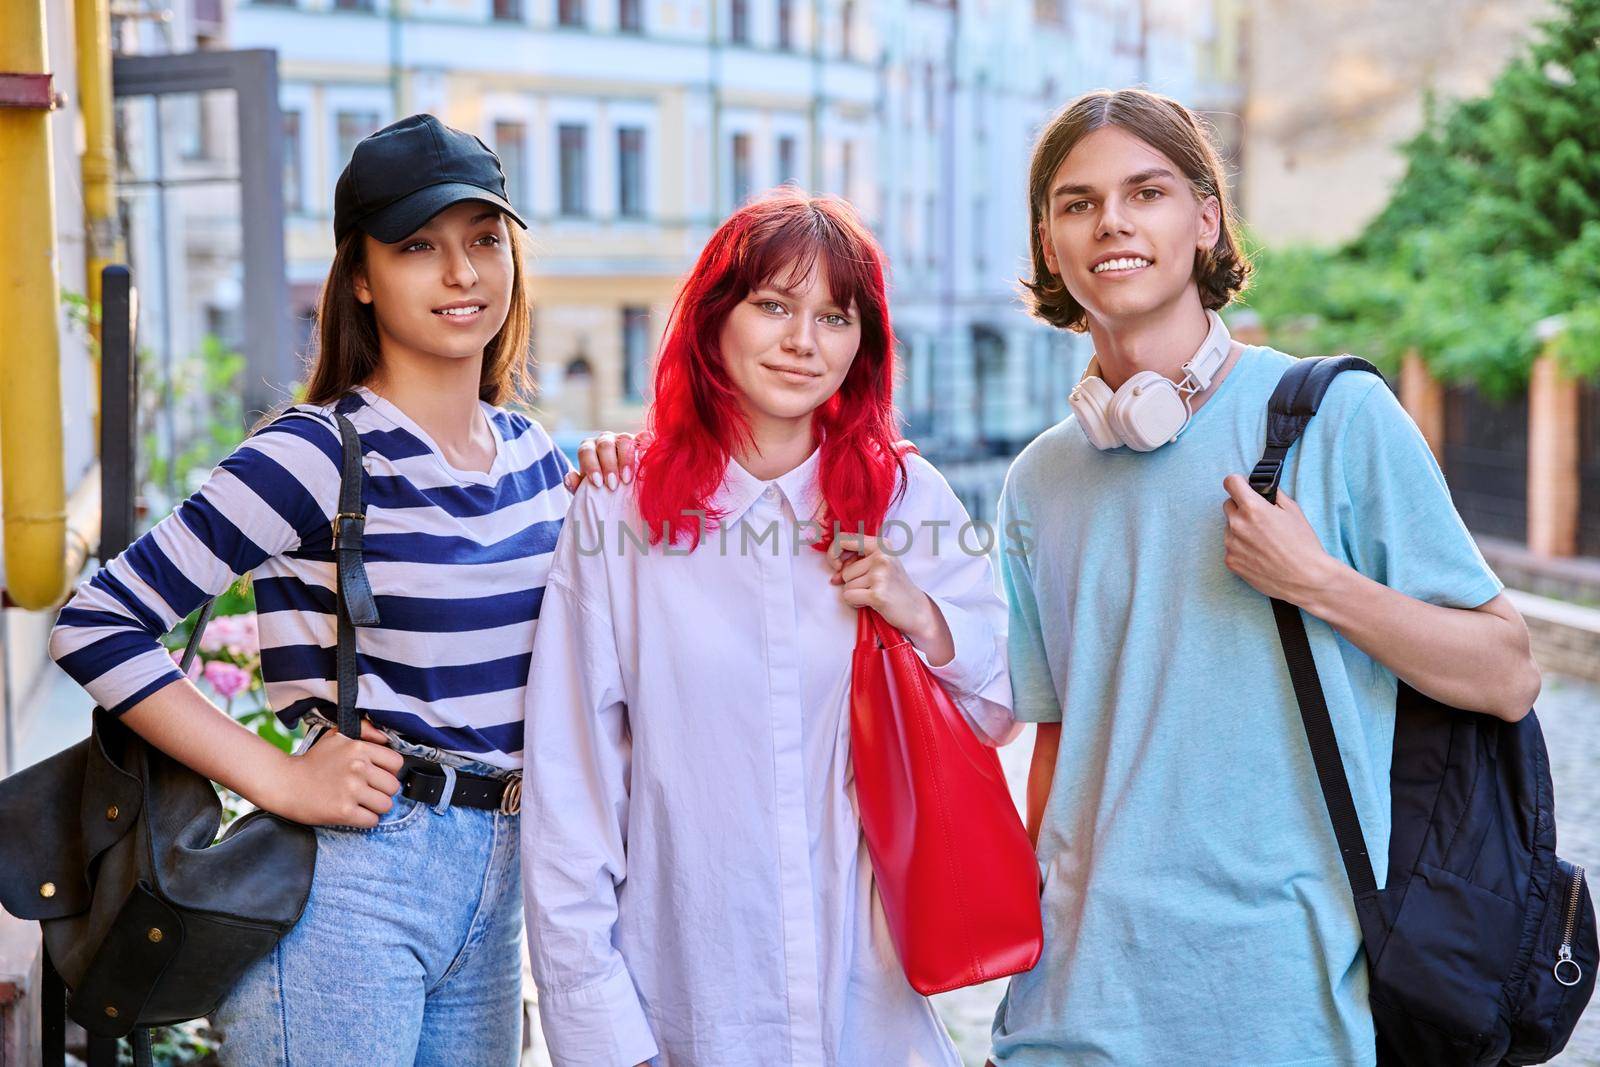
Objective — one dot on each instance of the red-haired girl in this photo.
(697, 887)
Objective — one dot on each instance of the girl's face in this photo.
(446, 289)
(1122, 226)
(788, 345)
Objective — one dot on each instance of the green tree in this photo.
(1494, 226)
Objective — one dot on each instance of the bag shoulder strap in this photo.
(1293, 402)
(193, 647)
(353, 599)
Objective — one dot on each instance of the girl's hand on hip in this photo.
(340, 781)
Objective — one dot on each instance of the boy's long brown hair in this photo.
(1171, 129)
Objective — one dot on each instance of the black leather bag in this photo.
(112, 845)
(1481, 946)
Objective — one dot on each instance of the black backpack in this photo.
(1481, 946)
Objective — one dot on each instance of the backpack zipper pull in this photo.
(1567, 970)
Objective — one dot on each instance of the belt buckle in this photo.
(511, 799)
(338, 520)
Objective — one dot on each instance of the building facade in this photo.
(629, 129)
(967, 88)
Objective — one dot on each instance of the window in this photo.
(739, 21)
(508, 10)
(352, 5)
(922, 375)
(293, 201)
(980, 107)
(932, 220)
(988, 394)
(847, 167)
(570, 13)
(913, 355)
(630, 173)
(930, 83)
(980, 235)
(847, 26)
(1040, 374)
(786, 24)
(207, 20)
(573, 152)
(905, 357)
(630, 16)
(741, 168)
(192, 115)
(352, 127)
(786, 159)
(635, 351)
(511, 145)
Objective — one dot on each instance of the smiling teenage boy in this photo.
(1196, 908)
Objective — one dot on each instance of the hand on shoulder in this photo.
(608, 460)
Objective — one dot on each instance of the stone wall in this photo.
(1566, 637)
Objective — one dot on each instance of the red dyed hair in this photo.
(697, 418)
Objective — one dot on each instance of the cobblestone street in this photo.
(1569, 711)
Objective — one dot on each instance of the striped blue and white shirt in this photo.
(457, 561)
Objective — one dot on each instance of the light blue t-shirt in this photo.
(1195, 907)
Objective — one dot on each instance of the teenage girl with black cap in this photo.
(409, 946)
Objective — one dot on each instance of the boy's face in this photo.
(1122, 225)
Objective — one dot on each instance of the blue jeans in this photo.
(409, 950)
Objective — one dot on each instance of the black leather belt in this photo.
(424, 781)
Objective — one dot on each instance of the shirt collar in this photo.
(740, 489)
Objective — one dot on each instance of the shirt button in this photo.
(771, 493)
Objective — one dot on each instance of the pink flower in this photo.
(229, 681)
(194, 666)
(218, 633)
(235, 634)
(246, 638)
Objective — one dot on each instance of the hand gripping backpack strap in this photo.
(352, 592)
(1293, 403)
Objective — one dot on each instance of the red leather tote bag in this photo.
(953, 863)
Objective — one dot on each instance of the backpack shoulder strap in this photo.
(353, 599)
(1293, 403)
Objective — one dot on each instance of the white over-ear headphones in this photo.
(1148, 410)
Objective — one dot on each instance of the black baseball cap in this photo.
(409, 171)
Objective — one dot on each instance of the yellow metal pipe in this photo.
(93, 43)
(83, 525)
(32, 483)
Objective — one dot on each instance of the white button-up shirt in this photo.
(697, 885)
